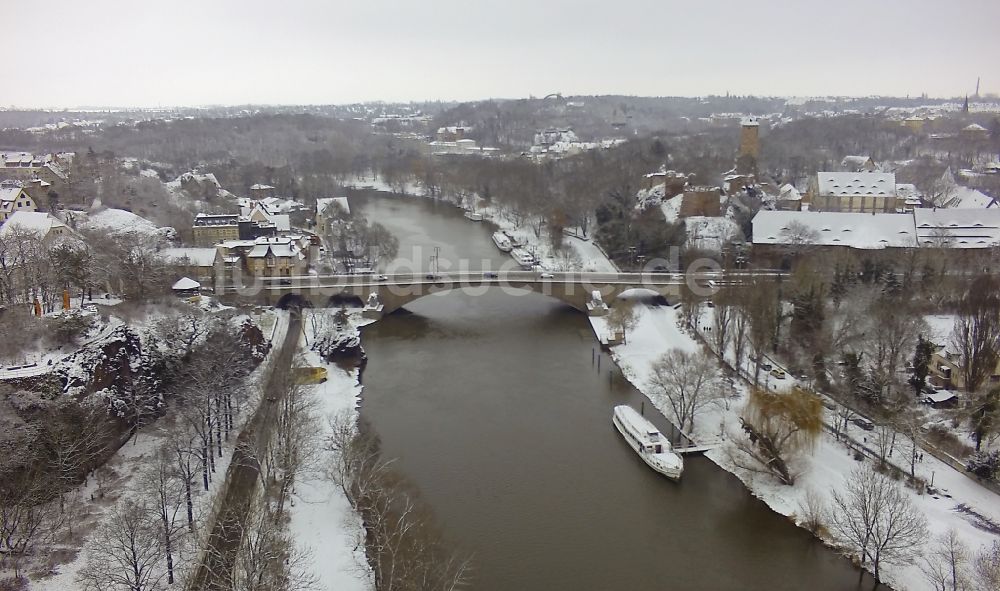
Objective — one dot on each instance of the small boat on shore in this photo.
(502, 242)
(515, 240)
(648, 442)
(476, 217)
(524, 258)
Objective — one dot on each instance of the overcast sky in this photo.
(64, 53)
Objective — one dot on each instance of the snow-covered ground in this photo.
(116, 221)
(322, 519)
(127, 463)
(822, 472)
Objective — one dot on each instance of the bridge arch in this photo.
(293, 300)
(344, 299)
(644, 295)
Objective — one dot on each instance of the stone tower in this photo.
(746, 161)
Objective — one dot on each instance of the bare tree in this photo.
(722, 319)
(165, 493)
(779, 427)
(946, 565)
(987, 567)
(124, 552)
(885, 442)
(28, 516)
(812, 512)
(74, 439)
(622, 317)
(183, 445)
(910, 423)
(686, 382)
(406, 550)
(266, 559)
(977, 332)
(798, 238)
(741, 325)
(894, 331)
(295, 441)
(874, 517)
(842, 418)
(761, 308)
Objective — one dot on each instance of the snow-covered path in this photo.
(322, 520)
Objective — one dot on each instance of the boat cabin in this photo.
(653, 443)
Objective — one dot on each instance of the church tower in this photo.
(746, 161)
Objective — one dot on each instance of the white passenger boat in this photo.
(523, 258)
(649, 443)
(476, 217)
(502, 242)
(515, 240)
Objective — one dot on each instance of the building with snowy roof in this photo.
(45, 225)
(276, 256)
(864, 231)
(26, 167)
(788, 199)
(860, 192)
(260, 191)
(210, 229)
(975, 132)
(957, 228)
(451, 133)
(961, 197)
(858, 164)
(200, 263)
(14, 199)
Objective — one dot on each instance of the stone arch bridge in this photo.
(392, 292)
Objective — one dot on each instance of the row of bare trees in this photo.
(152, 535)
(406, 550)
(33, 267)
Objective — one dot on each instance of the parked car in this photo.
(431, 276)
(778, 373)
(490, 275)
(546, 275)
(284, 282)
(381, 278)
(863, 423)
(766, 366)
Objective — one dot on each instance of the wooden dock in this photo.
(698, 448)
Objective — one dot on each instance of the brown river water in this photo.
(495, 409)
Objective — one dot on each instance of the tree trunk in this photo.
(167, 548)
(190, 504)
(204, 464)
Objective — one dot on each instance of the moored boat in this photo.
(502, 242)
(515, 240)
(523, 258)
(648, 442)
(476, 217)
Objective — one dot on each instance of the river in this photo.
(495, 409)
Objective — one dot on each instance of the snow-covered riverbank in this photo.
(322, 520)
(825, 470)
